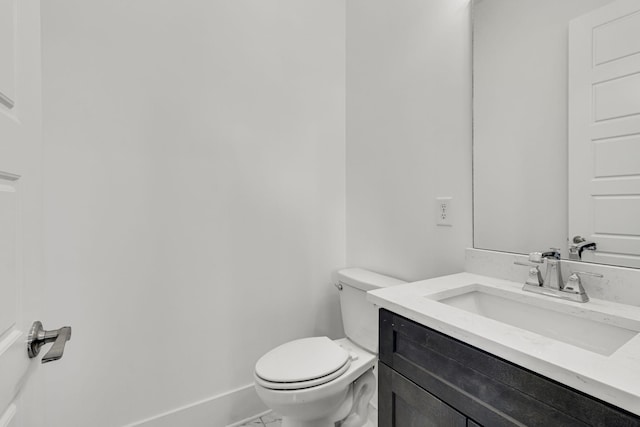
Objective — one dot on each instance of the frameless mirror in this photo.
(557, 127)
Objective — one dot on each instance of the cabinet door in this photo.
(404, 404)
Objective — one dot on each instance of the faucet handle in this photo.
(535, 257)
(526, 264)
(535, 277)
(574, 285)
(587, 273)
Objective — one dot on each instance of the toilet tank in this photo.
(359, 316)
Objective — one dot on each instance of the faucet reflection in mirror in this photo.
(579, 245)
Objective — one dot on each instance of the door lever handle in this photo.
(39, 337)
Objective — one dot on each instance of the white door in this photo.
(20, 211)
(604, 132)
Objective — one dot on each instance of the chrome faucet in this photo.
(553, 275)
(552, 284)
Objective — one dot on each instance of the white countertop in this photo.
(614, 378)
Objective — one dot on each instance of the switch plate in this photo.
(443, 211)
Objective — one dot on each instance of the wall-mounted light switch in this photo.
(443, 211)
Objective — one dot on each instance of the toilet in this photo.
(319, 382)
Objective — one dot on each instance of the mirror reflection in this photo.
(557, 128)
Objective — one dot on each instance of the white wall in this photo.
(195, 195)
(520, 122)
(409, 135)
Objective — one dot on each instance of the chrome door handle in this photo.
(39, 337)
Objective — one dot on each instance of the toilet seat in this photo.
(303, 384)
(302, 363)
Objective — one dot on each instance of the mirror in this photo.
(527, 176)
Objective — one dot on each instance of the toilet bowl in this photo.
(322, 401)
(319, 382)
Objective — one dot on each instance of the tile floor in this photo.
(274, 420)
(269, 420)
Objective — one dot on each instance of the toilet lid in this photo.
(302, 360)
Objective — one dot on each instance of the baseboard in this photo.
(221, 410)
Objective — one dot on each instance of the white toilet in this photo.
(317, 382)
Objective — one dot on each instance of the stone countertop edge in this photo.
(614, 379)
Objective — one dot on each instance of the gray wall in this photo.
(195, 195)
(409, 135)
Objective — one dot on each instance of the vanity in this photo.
(472, 350)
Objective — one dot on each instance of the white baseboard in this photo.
(221, 410)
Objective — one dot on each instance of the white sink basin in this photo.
(567, 322)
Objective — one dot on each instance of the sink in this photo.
(593, 347)
(582, 327)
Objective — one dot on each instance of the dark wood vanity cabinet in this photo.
(427, 378)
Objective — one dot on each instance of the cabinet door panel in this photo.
(407, 405)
